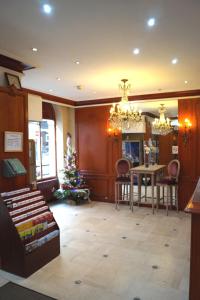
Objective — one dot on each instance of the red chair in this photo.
(169, 182)
(122, 182)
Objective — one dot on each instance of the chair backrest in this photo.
(173, 169)
(122, 167)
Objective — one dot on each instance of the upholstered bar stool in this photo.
(122, 182)
(169, 183)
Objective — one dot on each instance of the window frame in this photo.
(41, 171)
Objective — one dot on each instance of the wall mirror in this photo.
(164, 146)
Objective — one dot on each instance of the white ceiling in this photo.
(101, 35)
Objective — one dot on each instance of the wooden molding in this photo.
(179, 94)
(13, 64)
(151, 115)
(12, 90)
(107, 101)
(50, 97)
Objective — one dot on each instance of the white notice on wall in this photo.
(174, 149)
(13, 141)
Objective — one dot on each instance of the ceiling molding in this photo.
(51, 98)
(179, 94)
(109, 101)
(148, 114)
(13, 64)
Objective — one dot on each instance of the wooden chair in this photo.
(169, 182)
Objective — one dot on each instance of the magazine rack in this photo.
(29, 235)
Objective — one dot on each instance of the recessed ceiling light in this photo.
(174, 61)
(34, 49)
(186, 81)
(77, 62)
(50, 90)
(151, 22)
(58, 78)
(136, 51)
(47, 8)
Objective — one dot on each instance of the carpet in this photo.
(13, 291)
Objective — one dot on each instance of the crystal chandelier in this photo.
(162, 125)
(124, 115)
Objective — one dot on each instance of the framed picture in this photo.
(13, 141)
(13, 80)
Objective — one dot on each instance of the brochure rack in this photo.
(29, 234)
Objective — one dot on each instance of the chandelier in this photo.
(124, 115)
(162, 125)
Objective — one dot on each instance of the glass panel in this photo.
(48, 148)
(34, 134)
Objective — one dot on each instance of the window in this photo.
(43, 133)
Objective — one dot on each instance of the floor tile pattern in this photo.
(109, 254)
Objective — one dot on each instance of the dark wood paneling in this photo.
(14, 117)
(13, 64)
(193, 207)
(189, 152)
(48, 111)
(195, 259)
(97, 152)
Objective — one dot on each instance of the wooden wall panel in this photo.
(97, 152)
(189, 152)
(13, 117)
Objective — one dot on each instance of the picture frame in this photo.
(13, 79)
(13, 141)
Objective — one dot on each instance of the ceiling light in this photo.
(50, 90)
(34, 49)
(47, 8)
(77, 62)
(174, 61)
(124, 115)
(162, 125)
(186, 82)
(151, 22)
(136, 51)
(58, 78)
(79, 87)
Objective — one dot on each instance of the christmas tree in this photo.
(72, 177)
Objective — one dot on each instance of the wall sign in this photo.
(174, 149)
(13, 141)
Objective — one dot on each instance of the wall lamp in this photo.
(186, 126)
(113, 132)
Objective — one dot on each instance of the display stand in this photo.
(29, 235)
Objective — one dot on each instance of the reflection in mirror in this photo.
(163, 148)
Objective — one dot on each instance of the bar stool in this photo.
(122, 182)
(169, 182)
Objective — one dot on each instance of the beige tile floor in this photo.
(111, 253)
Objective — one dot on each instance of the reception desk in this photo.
(193, 207)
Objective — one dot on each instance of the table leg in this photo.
(152, 186)
(145, 176)
(131, 192)
(139, 188)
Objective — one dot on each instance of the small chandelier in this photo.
(162, 125)
(124, 115)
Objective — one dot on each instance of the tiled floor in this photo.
(115, 255)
